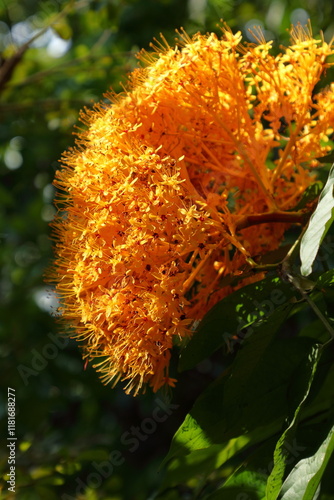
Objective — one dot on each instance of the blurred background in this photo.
(68, 423)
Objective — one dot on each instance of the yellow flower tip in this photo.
(300, 33)
(156, 193)
(160, 47)
(183, 37)
(258, 35)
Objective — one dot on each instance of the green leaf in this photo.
(326, 279)
(318, 226)
(189, 437)
(304, 480)
(250, 399)
(315, 330)
(281, 454)
(226, 321)
(251, 476)
(310, 194)
(202, 462)
(321, 392)
(250, 491)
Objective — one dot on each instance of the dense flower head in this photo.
(209, 132)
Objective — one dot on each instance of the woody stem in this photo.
(278, 216)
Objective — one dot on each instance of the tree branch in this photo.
(284, 217)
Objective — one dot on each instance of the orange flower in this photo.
(207, 133)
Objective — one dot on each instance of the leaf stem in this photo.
(317, 311)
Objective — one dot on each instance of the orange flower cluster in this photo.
(208, 133)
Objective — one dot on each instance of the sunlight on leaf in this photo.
(318, 227)
(226, 322)
(304, 480)
(281, 454)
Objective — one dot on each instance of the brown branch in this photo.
(284, 217)
(40, 75)
(8, 65)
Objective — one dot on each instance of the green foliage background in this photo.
(66, 419)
